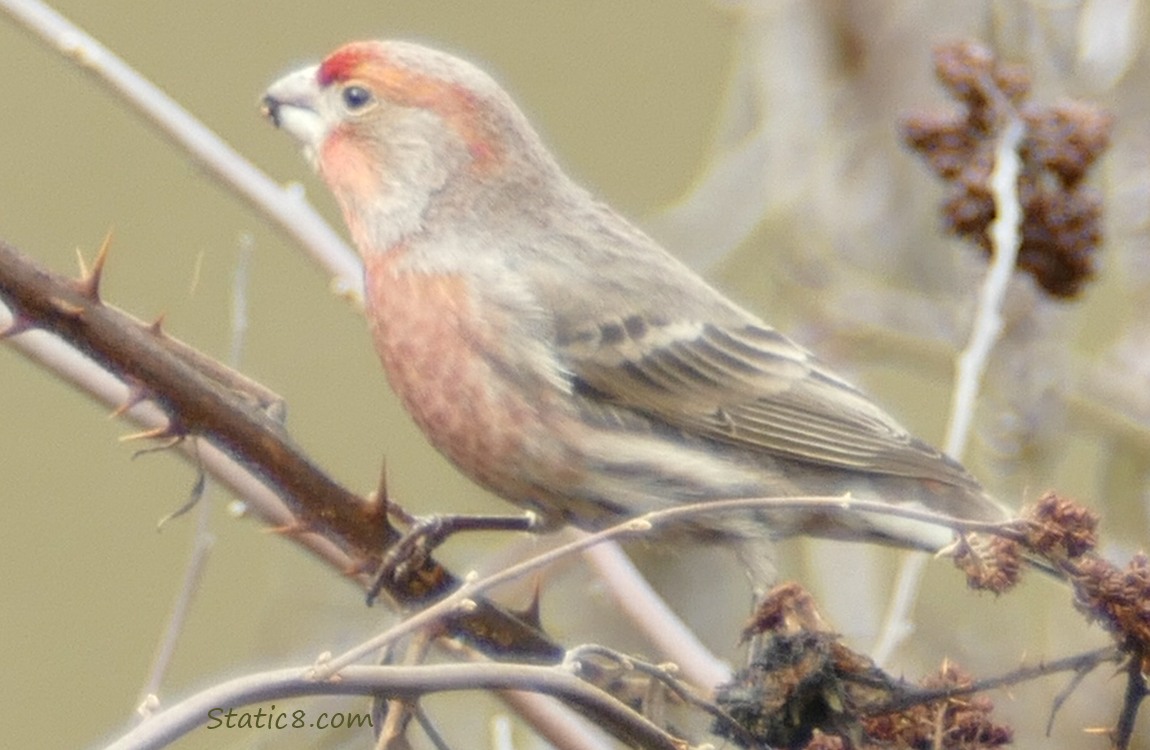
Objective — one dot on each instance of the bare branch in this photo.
(201, 402)
(400, 682)
(286, 207)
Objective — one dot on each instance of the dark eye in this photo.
(356, 98)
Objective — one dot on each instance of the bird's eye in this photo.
(357, 98)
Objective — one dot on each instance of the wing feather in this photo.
(748, 386)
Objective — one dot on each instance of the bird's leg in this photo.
(425, 533)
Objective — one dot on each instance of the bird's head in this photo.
(392, 127)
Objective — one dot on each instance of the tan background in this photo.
(628, 94)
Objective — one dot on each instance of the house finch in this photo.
(558, 355)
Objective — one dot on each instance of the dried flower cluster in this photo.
(990, 563)
(1119, 598)
(802, 678)
(1060, 528)
(1062, 535)
(806, 689)
(958, 722)
(1061, 226)
(1054, 531)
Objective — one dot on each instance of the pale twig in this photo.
(501, 734)
(972, 362)
(646, 609)
(203, 539)
(202, 542)
(1006, 237)
(428, 728)
(558, 724)
(241, 280)
(461, 600)
(898, 624)
(171, 724)
(635, 599)
(284, 206)
(1080, 664)
(582, 657)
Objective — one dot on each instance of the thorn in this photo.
(356, 569)
(174, 434)
(193, 500)
(137, 394)
(381, 489)
(156, 327)
(170, 443)
(19, 325)
(380, 507)
(89, 282)
(154, 433)
(530, 613)
(291, 530)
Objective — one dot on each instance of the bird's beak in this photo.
(292, 104)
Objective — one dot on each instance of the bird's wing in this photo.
(749, 386)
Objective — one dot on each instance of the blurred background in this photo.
(759, 140)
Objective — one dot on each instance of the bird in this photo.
(562, 358)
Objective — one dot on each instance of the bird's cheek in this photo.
(350, 170)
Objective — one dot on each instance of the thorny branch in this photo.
(200, 401)
(203, 399)
(206, 401)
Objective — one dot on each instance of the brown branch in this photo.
(1136, 692)
(205, 399)
(912, 695)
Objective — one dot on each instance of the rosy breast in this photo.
(432, 340)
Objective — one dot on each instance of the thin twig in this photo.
(646, 609)
(202, 542)
(972, 362)
(1136, 692)
(462, 599)
(173, 723)
(428, 728)
(898, 625)
(1078, 662)
(1006, 237)
(286, 207)
(203, 539)
(665, 675)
